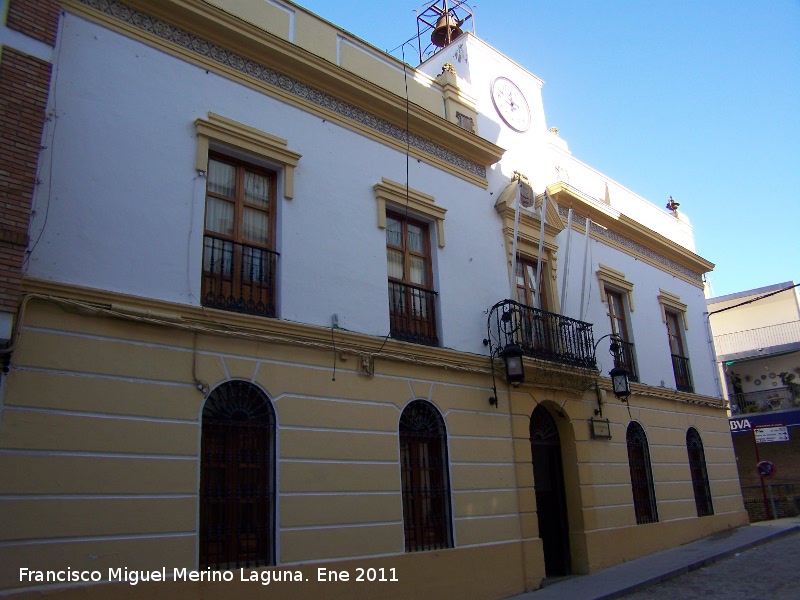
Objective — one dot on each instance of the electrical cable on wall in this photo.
(53, 117)
(408, 158)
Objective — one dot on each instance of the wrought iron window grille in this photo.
(425, 482)
(683, 376)
(644, 494)
(237, 478)
(697, 466)
(238, 277)
(412, 313)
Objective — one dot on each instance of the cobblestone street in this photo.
(769, 572)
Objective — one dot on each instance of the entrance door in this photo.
(548, 478)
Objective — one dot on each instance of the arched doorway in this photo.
(551, 504)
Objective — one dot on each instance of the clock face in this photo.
(510, 104)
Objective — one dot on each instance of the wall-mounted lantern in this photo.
(515, 370)
(620, 383)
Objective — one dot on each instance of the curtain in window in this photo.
(255, 226)
(257, 189)
(221, 178)
(394, 258)
(418, 266)
(219, 216)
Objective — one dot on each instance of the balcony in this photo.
(412, 314)
(683, 376)
(781, 398)
(761, 341)
(541, 334)
(238, 277)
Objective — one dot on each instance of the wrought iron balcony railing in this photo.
(542, 334)
(779, 398)
(626, 359)
(238, 277)
(683, 376)
(412, 314)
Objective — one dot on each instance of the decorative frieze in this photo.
(209, 50)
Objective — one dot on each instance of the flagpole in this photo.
(566, 265)
(536, 286)
(512, 282)
(586, 267)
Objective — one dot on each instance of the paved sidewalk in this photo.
(628, 577)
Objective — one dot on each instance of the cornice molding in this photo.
(238, 135)
(630, 236)
(221, 323)
(607, 275)
(400, 196)
(541, 374)
(529, 225)
(218, 41)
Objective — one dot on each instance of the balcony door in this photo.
(238, 257)
(412, 299)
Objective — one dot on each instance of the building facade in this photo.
(757, 339)
(264, 303)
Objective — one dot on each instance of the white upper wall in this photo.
(121, 207)
(125, 207)
(542, 156)
(648, 331)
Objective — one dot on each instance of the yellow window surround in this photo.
(398, 195)
(615, 280)
(248, 139)
(670, 301)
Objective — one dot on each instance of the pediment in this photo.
(554, 223)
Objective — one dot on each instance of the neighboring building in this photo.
(214, 365)
(757, 340)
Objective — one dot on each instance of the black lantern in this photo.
(620, 383)
(515, 371)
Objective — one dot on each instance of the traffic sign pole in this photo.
(763, 487)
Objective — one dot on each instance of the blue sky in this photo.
(699, 100)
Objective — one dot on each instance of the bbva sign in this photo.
(740, 425)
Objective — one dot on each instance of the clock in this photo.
(510, 104)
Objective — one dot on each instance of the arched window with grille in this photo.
(237, 478)
(697, 466)
(644, 493)
(425, 478)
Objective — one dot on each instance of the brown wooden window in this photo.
(680, 362)
(237, 478)
(425, 481)
(644, 493)
(525, 278)
(697, 466)
(412, 299)
(619, 326)
(239, 261)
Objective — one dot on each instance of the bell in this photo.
(447, 29)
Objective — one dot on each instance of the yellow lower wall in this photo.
(99, 446)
